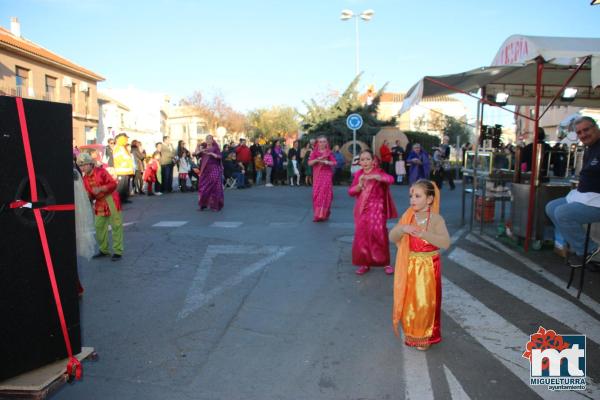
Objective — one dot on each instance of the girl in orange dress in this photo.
(419, 234)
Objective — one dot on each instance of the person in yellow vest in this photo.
(123, 166)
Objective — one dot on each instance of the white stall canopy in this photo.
(513, 71)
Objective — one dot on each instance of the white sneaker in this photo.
(269, 185)
(158, 193)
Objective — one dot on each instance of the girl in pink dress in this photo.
(323, 163)
(374, 206)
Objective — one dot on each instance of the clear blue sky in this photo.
(267, 52)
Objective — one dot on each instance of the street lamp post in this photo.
(365, 16)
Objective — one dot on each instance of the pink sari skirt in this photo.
(322, 192)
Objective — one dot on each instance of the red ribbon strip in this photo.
(73, 362)
(53, 207)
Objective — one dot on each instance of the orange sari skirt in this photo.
(422, 302)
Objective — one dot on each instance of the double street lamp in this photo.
(365, 16)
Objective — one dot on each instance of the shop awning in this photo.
(513, 71)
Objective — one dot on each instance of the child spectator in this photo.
(150, 173)
(400, 168)
(355, 167)
(259, 165)
(269, 164)
(184, 165)
(293, 171)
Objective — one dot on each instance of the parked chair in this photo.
(230, 183)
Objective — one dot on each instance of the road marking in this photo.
(283, 224)
(456, 390)
(456, 235)
(197, 296)
(416, 375)
(475, 240)
(544, 273)
(226, 224)
(505, 341)
(341, 225)
(169, 224)
(536, 296)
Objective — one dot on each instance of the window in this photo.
(73, 97)
(50, 88)
(87, 102)
(22, 76)
(90, 135)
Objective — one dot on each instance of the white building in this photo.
(425, 116)
(138, 113)
(549, 121)
(114, 118)
(185, 123)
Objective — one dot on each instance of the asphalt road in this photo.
(258, 302)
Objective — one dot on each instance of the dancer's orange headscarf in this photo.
(402, 260)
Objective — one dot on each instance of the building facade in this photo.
(550, 120)
(187, 124)
(427, 116)
(31, 71)
(140, 114)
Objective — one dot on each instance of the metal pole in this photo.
(353, 144)
(534, 165)
(456, 160)
(357, 43)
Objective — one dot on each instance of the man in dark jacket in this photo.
(582, 205)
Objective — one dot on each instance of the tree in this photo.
(455, 129)
(217, 112)
(330, 120)
(272, 123)
(437, 121)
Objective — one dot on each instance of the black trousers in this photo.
(167, 178)
(448, 173)
(123, 187)
(138, 182)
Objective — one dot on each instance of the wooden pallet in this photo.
(42, 382)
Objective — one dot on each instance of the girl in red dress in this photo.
(419, 234)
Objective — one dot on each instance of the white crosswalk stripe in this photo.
(169, 224)
(501, 338)
(475, 240)
(416, 375)
(530, 293)
(456, 390)
(226, 224)
(544, 273)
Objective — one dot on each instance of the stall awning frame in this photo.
(534, 71)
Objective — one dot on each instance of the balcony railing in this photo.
(79, 109)
(21, 91)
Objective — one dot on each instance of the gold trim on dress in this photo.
(423, 253)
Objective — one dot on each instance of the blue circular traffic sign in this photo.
(354, 121)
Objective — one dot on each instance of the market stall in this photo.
(527, 70)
